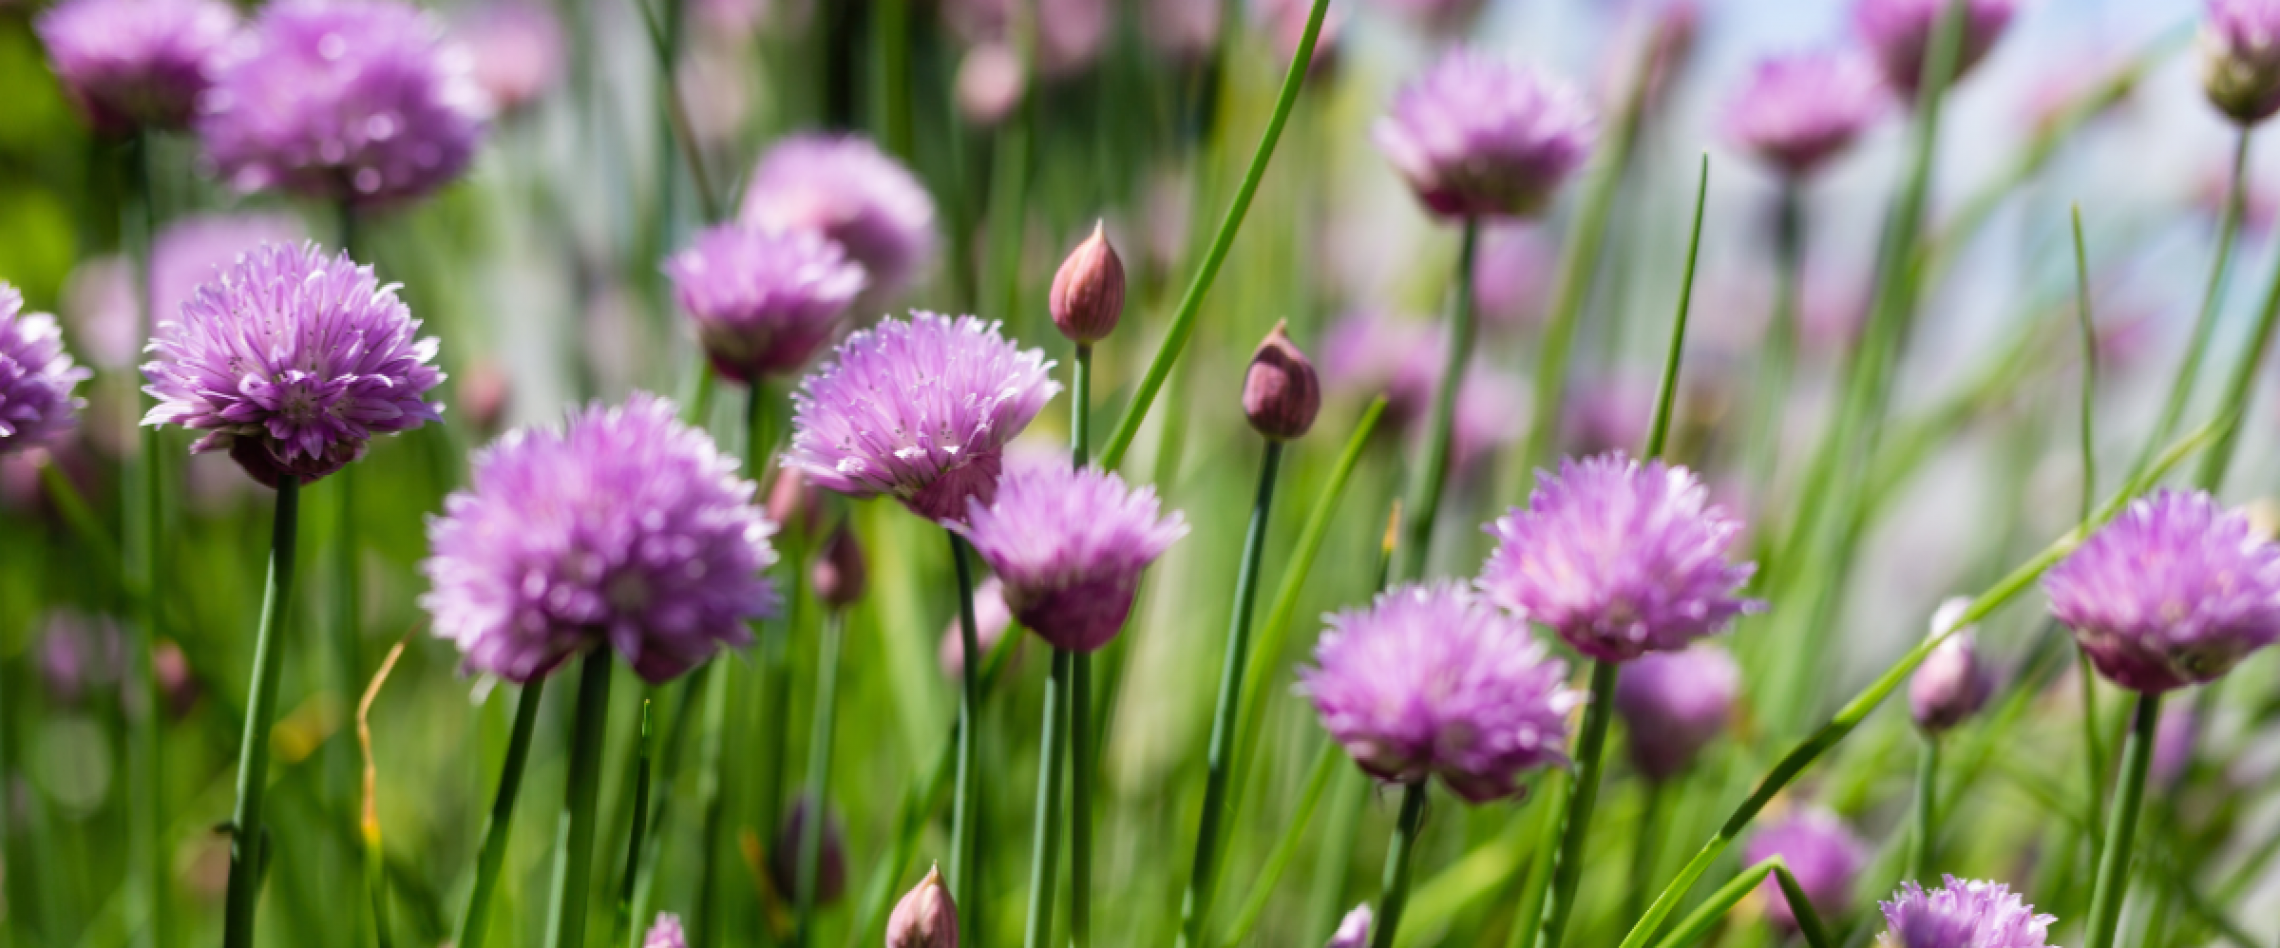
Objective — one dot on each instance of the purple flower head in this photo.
(666, 933)
(291, 361)
(1899, 32)
(1069, 546)
(1448, 17)
(518, 50)
(765, 303)
(343, 100)
(1821, 852)
(1432, 680)
(1797, 112)
(1952, 683)
(1353, 930)
(845, 188)
(2240, 58)
(1070, 34)
(1620, 558)
(1673, 704)
(2173, 592)
(919, 410)
(926, 917)
(130, 63)
(1963, 914)
(627, 528)
(36, 377)
(1480, 138)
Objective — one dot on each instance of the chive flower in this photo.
(518, 50)
(1673, 704)
(1476, 137)
(1822, 853)
(1620, 558)
(1953, 682)
(626, 528)
(36, 377)
(357, 101)
(1353, 930)
(292, 361)
(2240, 58)
(1429, 679)
(918, 410)
(131, 64)
(845, 188)
(1963, 914)
(667, 933)
(1899, 32)
(2174, 592)
(926, 917)
(764, 303)
(1798, 112)
(1069, 547)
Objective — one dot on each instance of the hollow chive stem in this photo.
(1591, 743)
(2121, 824)
(140, 504)
(712, 757)
(1326, 766)
(1080, 691)
(2093, 755)
(965, 886)
(1400, 858)
(2212, 303)
(1923, 837)
(1644, 836)
(1430, 473)
(623, 923)
(474, 928)
(1046, 842)
(824, 725)
(574, 832)
(249, 843)
(1195, 905)
(1778, 352)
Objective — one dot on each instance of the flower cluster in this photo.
(1900, 33)
(1069, 546)
(136, 63)
(1479, 138)
(765, 303)
(1822, 853)
(846, 189)
(1797, 112)
(2240, 58)
(2173, 592)
(36, 377)
(1673, 703)
(1963, 914)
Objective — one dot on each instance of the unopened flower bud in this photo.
(926, 917)
(1281, 394)
(830, 860)
(1088, 293)
(793, 505)
(1952, 683)
(1354, 930)
(2240, 59)
(839, 574)
(990, 83)
(667, 933)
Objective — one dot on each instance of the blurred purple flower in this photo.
(764, 303)
(36, 377)
(1475, 137)
(666, 933)
(1620, 558)
(845, 188)
(1444, 17)
(194, 251)
(991, 82)
(1183, 31)
(1353, 930)
(1432, 680)
(2240, 58)
(2174, 736)
(1963, 914)
(1673, 704)
(132, 63)
(992, 617)
(1069, 546)
(1514, 276)
(1609, 414)
(2173, 592)
(1821, 852)
(100, 311)
(517, 46)
(1899, 32)
(1952, 683)
(360, 101)
(831, 855)
(77, 654)
(292, 362)
(919, 410)
(1284, 21)
(628, 528)
(1070, 34)
(1799, 111)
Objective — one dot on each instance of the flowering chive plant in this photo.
(1069, 546)
(36, 377)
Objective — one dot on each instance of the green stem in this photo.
(1195, 906)
(2089, 445)
(140, 503)
(1536, 879)
(1779, 351)
(712, 763)
(1801, 906)
(1567, 867)
(1080, 406)
(80, 517)
(2212, 302)
(1286, 849)
(492, 853)
(1081, 765)
(1698, 924)
(661, 41)
(635, 837)
(1045, 848)
(1430, 474)
(2093, 749)
(1340, 829)
(1644, 838)
(965, 888)
(1923, 839)
(1400, 858)
(574, 833)
(1183, 319)
(824, 725)
(2121, 824)
(890, 36)
(2218, 461)
(1658, 430)
(249, 841)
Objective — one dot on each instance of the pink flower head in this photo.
(1476, 137)
(1069, 546)
(1899, 32)
(1822, 853)
(1963, 914)
(36, 377)
(1797, 112)
(131, 63)
(845, 188)
(764, 303)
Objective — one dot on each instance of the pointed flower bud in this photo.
(1353, 930)
(1088, 293)
(925, 918)
(831, 856)
(1952, 683)
(839, 574)
(2240, 58)
(1281, 394)
(667, 933)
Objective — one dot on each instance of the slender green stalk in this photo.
(2121, 824)
(2089, 329)
(1697, 925)
(1080, 407)
(81, 518)
(1183, 319)
(890, 38)
(1046, 843)
(474, 929)
(2218, 460)
(1536, 880)
(1080, 692)
(1400, 858)
(1340, 830)
(625, 922)
(712, 762)
(662, 45)
(1591, 744)
(1326, 763)
(1430, 474)
(824, 724)
(2093, 754)
(574, 833)
(1645, 834)
(965, 886)
(2212, 302)
(1658, 430)
(140, 504)
(249, 836)
(2093, 749)
(1195, 905)
(1923, 837)
(1777, 363)
(1801, 906)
